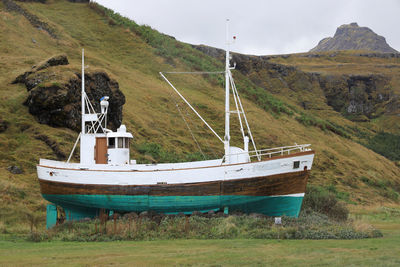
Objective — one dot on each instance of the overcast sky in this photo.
(262, 27)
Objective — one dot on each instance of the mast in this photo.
(83, 92)
(227, 135)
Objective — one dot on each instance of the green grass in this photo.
(309, 120)
(234, 252)
(386, 144)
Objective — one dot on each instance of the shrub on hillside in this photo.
(323, 201)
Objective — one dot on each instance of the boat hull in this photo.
(273, 195)
(81, 206)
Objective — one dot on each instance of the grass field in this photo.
(362, 252)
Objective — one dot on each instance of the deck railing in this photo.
(273, 152)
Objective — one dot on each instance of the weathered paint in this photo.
(279, 184)
(88, 205)
(51, 216)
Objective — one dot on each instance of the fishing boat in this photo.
(268, 181)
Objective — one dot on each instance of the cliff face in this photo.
(359, 97)
(352, 37)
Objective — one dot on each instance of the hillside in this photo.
(288, 99)
(353, 37)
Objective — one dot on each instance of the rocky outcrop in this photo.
(358, 97)
(33, 19)
(55, 94)
(352, 37)
(362, 97)
(15, 169)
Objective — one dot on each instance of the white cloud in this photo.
(262, 27)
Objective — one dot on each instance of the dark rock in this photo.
(59, 104)
(14, 169)
(3, 125)
(55, 94)
(352, 37)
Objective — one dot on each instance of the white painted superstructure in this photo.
(169, 173)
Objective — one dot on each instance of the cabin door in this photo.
(101, 150)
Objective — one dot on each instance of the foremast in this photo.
(227, 136)
(83, 93)
(93, 124)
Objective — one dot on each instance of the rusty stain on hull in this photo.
(279, 184)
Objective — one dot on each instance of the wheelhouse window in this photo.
(111, 142)
(126, 142)
(121, 142)
(296, 164)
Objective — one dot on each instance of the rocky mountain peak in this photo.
(353, 37)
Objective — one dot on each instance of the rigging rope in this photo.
(205, 139)
(194, 110)
(187, 125)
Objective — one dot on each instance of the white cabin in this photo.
(118, 146)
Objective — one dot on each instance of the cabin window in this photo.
(111, 142)
(120, 142)
(296, 164)
(126, 142)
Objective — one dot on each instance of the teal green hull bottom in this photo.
(82, 206)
